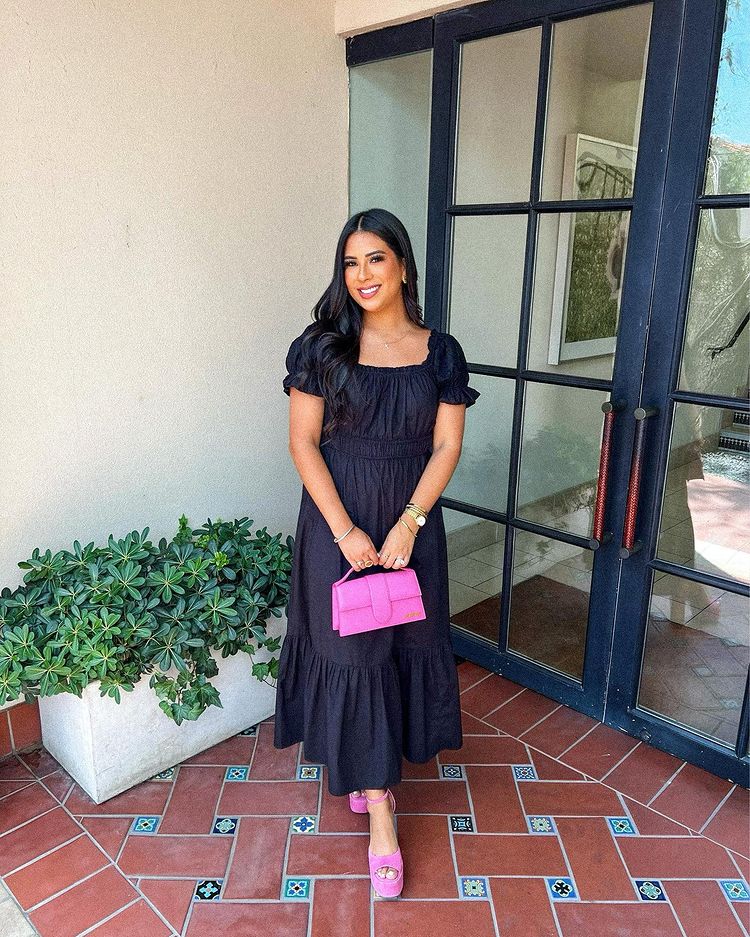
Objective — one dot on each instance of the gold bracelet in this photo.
(417, 507)
(402, 521)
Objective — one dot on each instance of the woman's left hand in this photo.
(398, 542)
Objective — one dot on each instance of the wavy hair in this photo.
(331, 346)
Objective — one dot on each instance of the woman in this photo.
(376, 424)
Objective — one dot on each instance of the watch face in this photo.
(421, 521)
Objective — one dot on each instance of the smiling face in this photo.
(372, 271)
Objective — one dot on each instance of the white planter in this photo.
(109, 747)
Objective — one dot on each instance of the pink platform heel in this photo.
(386, 887)
(358, 803)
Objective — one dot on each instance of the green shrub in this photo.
(118, 612)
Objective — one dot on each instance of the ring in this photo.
(360, 562)
(368, 563)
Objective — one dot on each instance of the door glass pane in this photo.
(390, 168)
(577, 286)
(496, 113)
(560, 446)
(481, 476)
(475, 572)
(550, 602)
(594, 105)
(486, 283)
(716, 350)
(728, 166)
(696, 657)
(706, 509)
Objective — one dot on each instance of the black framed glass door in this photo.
(555, 170)
(682, 631)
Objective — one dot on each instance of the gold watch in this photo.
(413, 510)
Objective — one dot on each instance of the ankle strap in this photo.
(376, 800)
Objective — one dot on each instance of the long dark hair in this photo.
(331, 345)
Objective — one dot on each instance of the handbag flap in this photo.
(384, 588)
(403, 584)
(380, 599)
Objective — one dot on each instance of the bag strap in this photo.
(351, 570)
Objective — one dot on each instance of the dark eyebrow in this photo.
(349, 256)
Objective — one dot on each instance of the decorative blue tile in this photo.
(473, 887)
(237, 773)
(452, 772)
(561, 889)
(251, 730)
(208, 889)
(462, 824)
(166, 775)
(305, 824)
(735, 889)
(227, 826)
(622, 826)
(296, 889)
(541, 826)
(524, 773)
(145, 824)
(650, 889)
(309, 773)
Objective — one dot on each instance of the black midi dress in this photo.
(362, 702)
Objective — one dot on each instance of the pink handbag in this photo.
(378, 600)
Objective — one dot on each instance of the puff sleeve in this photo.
(453, 374)
(296, 376)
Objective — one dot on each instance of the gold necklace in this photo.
(388, 344)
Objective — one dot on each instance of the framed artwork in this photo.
(590, 249)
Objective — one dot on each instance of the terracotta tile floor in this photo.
(544, 823)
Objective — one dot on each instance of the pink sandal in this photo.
(358, 803)
(386, 887)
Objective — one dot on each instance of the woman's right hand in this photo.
(357, 546)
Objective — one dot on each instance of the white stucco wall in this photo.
(174, 177)
(359, 16)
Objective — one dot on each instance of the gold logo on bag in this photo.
(409, 614)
